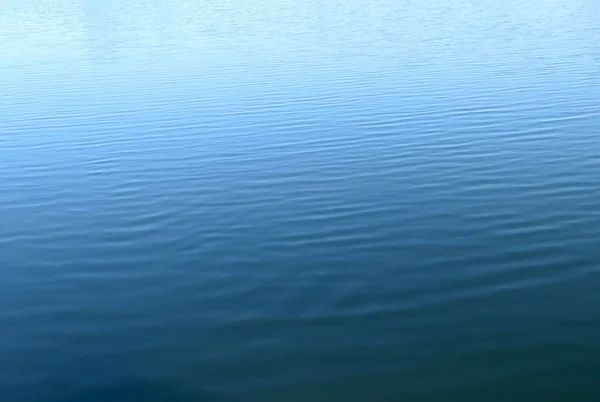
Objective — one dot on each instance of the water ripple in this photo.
(290, 201)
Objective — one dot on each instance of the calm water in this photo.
(299, 200)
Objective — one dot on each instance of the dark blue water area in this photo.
(299, 201)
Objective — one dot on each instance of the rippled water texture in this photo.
(289, 201)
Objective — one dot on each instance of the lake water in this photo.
(289, 201)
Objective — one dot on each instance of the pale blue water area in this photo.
(289, 201)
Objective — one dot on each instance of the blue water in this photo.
(289, 201)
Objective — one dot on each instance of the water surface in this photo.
(369, 200)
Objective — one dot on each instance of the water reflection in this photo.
(100, 25)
